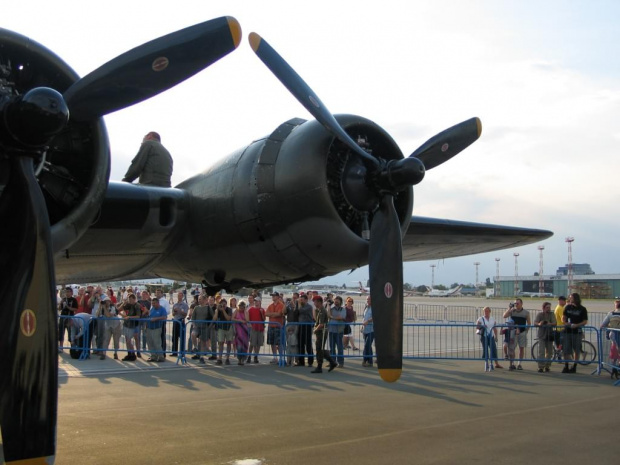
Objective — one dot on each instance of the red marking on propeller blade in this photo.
(388, 290)
(160, 64)
(28, 323)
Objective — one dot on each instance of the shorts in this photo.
(225, 335)
(347, 329)
(257, 338)
(201, 331)
(522, 339)
(273, 335)
(128, 332)
(572, 343)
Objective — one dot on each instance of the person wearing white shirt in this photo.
(486, 327)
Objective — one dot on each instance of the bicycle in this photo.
(587, 354)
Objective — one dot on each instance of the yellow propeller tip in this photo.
(235, 30)
(479, 126)
(254, 39)
(390, 375)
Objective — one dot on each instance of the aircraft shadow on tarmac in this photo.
(448, 380)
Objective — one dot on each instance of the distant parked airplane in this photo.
(438, 293)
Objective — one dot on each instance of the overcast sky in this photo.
(544, 77)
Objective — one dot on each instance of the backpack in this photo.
(614, 322)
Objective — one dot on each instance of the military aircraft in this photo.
(237, 224)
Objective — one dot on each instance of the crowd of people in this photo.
(560, 329)
(217, 328)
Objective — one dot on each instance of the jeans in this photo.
(488, 341)
(368, 339)
(335, 342)
(305, 343)
(177, 330)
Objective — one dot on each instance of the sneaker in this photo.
(317, 370)
(499, 366)
(196, 357)
(273, 362)
(333, 365)
(139, 355)
(364, 364)
(161, 359)
(255, 359)
(249, 359)
(512, 368)
(540, 370)
(213, 357)
(219, 362)
(152, 359)
(573, 370)
(565, 370)
(227, 362)
(202, 361)
(341, 365)
(519, 367)
(356, 348)
(102, 357)
(240, 362)
(547, 369)
(128, 358)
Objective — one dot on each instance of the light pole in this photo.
(516, 255)
(476, 264)
(497, 285)
(541, 281)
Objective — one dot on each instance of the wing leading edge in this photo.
(436, 238)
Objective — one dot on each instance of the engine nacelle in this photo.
(275, 211)
(76, 169)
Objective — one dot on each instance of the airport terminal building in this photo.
(589, 286)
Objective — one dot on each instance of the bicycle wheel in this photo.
(535, 350)
(588, 353)
(557, 353)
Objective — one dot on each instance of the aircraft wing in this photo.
(435, 238)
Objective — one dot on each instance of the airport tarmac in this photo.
(440, 412)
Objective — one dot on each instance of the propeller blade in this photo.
(28, 346)
(304, 94)
(151, 68)
(448, 143)
(386, 289)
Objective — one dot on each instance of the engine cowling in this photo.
(276, 211)
(75, 171)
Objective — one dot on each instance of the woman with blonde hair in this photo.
(486, 327)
